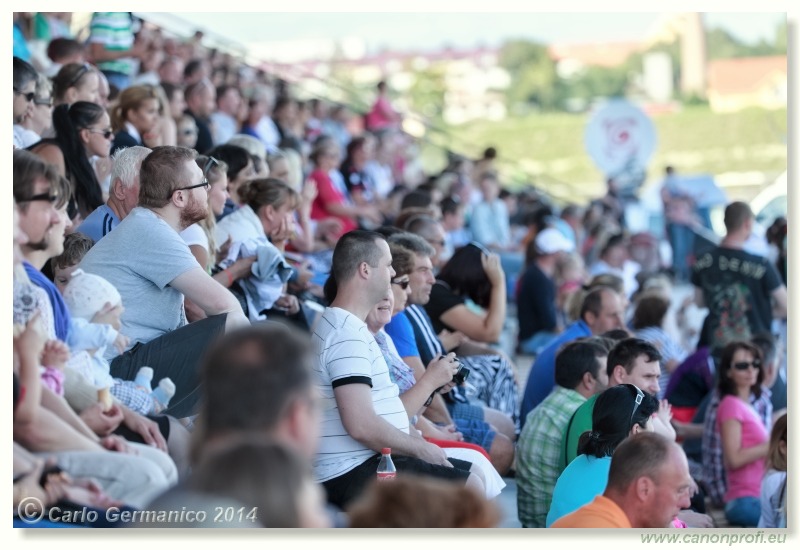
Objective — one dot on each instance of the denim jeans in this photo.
(743, 511)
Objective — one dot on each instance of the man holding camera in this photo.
(361, 409)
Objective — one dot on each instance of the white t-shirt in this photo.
(195, 236)
(347, 354)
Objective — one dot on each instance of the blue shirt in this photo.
(402, 333)
(585, 478)
(541, 379)
(99, 223)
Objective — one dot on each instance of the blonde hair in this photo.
(131, 99)
(209, 223)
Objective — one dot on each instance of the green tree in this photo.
(427, 94)
(534, 81)
(780, 37)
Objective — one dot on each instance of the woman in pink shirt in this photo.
(742, 433)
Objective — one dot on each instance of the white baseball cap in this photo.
(550, 241)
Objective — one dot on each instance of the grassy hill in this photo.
(548, 148)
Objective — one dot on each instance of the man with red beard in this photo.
(153, 269)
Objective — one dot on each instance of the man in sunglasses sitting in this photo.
(153, 269)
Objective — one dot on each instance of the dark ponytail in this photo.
(68, 121)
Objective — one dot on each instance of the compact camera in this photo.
(461, 374)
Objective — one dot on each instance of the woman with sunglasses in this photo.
(83, 129)
(619, 412)
(200, 236)
(135, 118)
(32, 128)
(743, 435)
(76, 82)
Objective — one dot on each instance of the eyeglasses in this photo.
(47, 197)
(30, 96)
(638, 401)
(402, 284)
(82, 71)
(45, 102)
(744, 365)
(203, 183)
(108, 134)
(210, 163)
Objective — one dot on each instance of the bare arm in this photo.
(49, 433)
(438, 374)
(698, 297)
(486, 328)
(210, 296)
(372, 431)
(59, 407)
(733, 454)
(779, 302)
(437, 410)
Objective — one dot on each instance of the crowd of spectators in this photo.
(305, 296)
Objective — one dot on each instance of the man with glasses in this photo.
(580, 374)
(123, 194)
(24, 92)
(153, 269)
(35, 185)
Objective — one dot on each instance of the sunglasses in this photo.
(638, 401)
(47, 197)
(108, 134)
(744, 365)
(30, 96)
(402, 284)
(82, 71)
(210, 163)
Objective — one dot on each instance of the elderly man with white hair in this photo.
(123, 195)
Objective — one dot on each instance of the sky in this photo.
(423, 31)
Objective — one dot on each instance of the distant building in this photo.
(735, 84)
(571, 58)
(474, 82)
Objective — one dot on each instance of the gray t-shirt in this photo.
(140, 258)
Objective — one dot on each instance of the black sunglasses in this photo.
(82, 71)
(744, 365)
(47, 197)
(402, 284)
(108, 134)
(638, 401)
(30, 96)
(203, 183)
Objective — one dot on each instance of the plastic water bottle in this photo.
(386, 469)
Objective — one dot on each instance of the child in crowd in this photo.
(96, 307)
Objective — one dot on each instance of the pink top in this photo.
(744, 481)
(381, 115)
